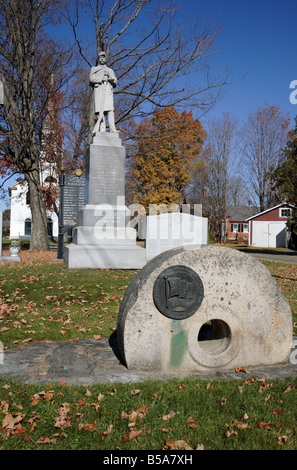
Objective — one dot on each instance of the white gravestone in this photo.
(171, 230)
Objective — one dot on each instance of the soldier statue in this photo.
(103, 79)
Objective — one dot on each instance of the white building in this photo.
(20, 212)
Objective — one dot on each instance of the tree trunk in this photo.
(39, 236)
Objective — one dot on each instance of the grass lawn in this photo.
(47, 302)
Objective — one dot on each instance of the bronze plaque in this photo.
(178, 292)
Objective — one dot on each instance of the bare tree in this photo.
(152, 56)
(29, 61)
(220, 158)
(264, 135)
(76, 121)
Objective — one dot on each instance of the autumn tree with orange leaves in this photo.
(165, 153)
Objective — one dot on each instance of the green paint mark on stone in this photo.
(178, 343)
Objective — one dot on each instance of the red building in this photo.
(269, 229)
(237, 224)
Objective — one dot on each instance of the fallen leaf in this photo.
(63, 422)
(289, 388)
(282, 440)
(90, 426)
(45, 440)
(200, 447)
(64, 409)
(169, 416)
(132, 426)
(32, 421)
(176, 445)
(133, 415)
(263, 425)
(142, 411)
(48, 396)
(11, 420)
(135, 392)
(81, 401)
(242, 369)
(134, 434)
(100, 397)
(191, 423)
(105, 433)
(28, 340)
(240, 425)
(229, 431)
(4, 406)
(181, 445)
(19, 429)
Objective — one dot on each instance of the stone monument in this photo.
(171, 230)
(203, 309)
(74, 197)
(103, 238)
(12, 257)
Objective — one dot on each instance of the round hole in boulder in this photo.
(214, 336)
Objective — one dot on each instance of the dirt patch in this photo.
(34, 256)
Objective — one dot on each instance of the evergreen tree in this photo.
(285, 176)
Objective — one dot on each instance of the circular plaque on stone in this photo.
(178, 292)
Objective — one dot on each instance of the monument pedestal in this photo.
(103, 238)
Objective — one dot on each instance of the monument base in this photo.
(9, 259)
(104, 256)
(112, 236)
(103, 237)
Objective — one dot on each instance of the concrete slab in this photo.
(97, 361)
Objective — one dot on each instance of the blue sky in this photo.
(259, 41)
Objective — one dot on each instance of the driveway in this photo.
(277, 256)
